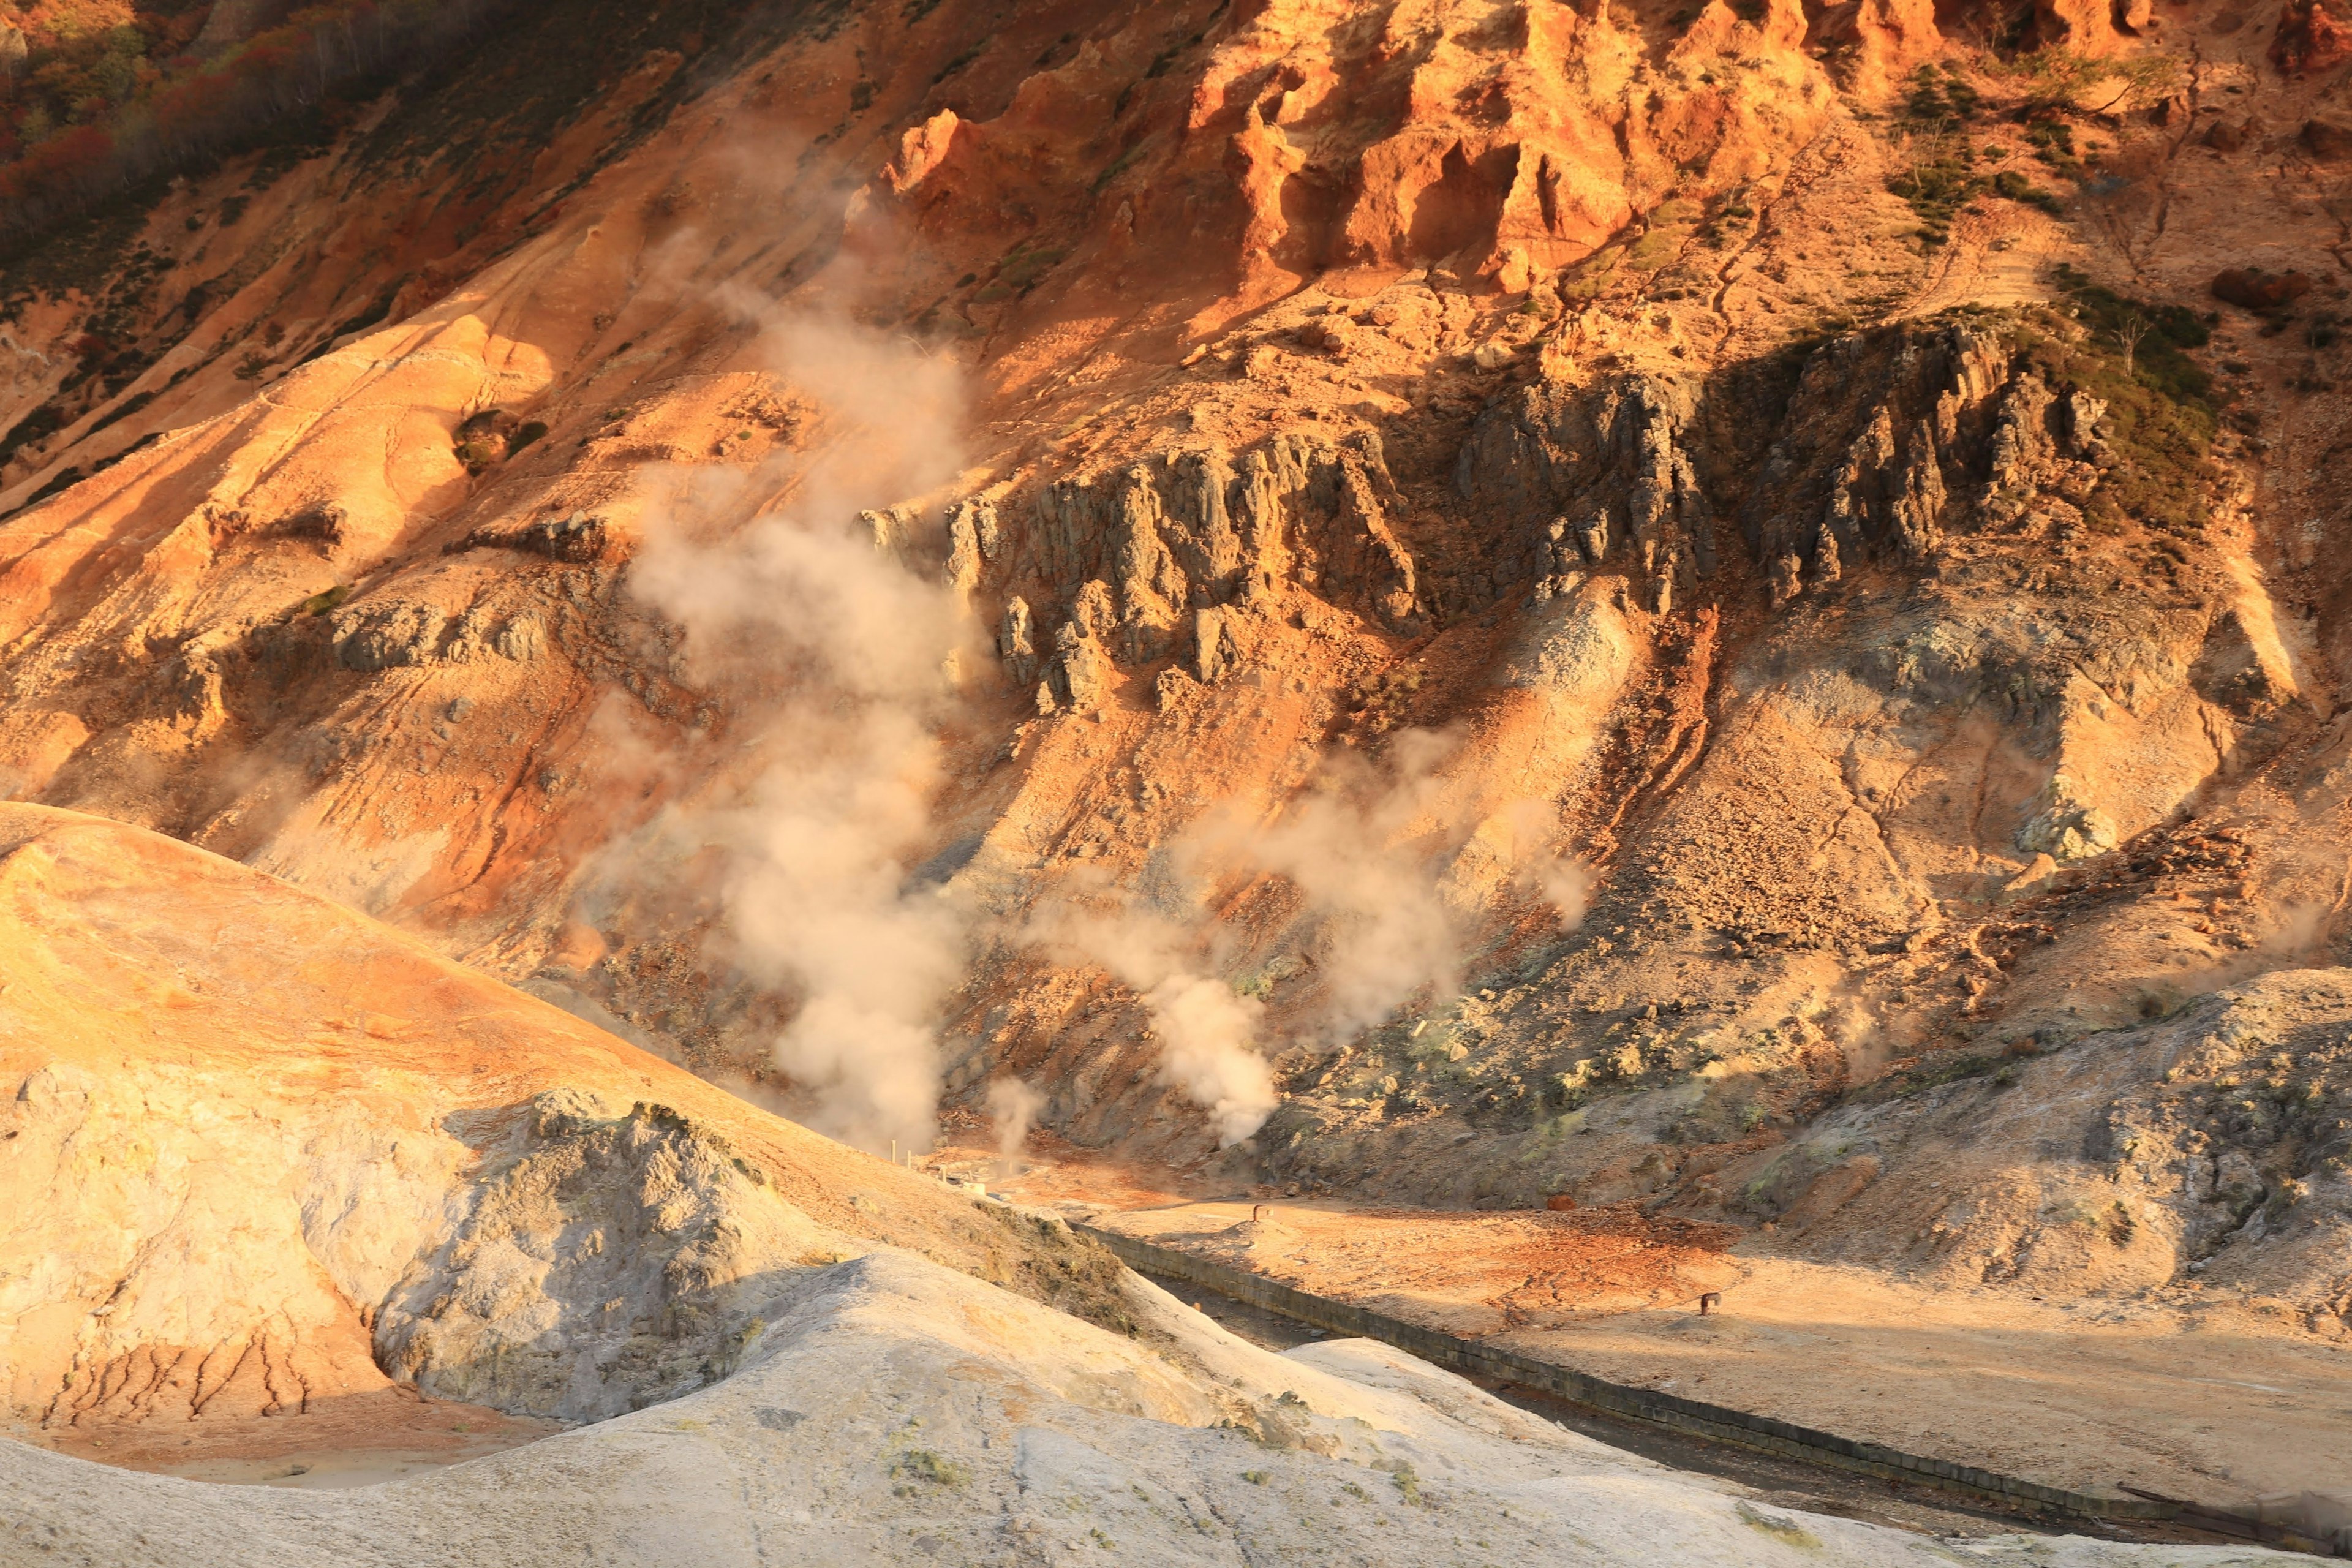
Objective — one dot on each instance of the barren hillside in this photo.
(1730, 610)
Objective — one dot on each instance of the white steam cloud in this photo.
(834, 659)
(1567, 886)
(1362, 852)
(1206, 1050)
(1013, 1107)
(1371, 851)
(1206, 1030)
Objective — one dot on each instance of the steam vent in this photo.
(1356, 784)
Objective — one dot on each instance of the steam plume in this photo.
(834, 655)
(1206, 1031)
(1208, 1051)
(1012, 1106)
(1362, 852)
(1367, 851)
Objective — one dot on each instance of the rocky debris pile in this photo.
(2245, 1138)
(2211, 1146)
(375, 635)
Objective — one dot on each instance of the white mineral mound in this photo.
(896, 1411)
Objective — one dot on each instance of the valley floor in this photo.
(2220, 1400)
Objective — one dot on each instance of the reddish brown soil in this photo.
(392, 1427)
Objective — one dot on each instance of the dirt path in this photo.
(1475, 1274)
(2000, 254)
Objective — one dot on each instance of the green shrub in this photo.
(2014, 185)
(1942, 101)
(922, 1465)
(2052, 141)
(1939, 181)
(2161, 336)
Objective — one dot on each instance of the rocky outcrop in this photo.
(576, 537)
(608, 1259)
(1891, 439)
(2312, 35)
(1888, 441)
(1528, 148)
(2065, 825)
(1874, 44)
(975, 537)
(1140, 555)
(386, 636)
(1576, 480)
(2089, 27)
(1016, 642)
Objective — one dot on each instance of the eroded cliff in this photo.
(1355, 581)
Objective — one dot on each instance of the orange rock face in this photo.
(1346, 582)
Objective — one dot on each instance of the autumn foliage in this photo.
(137, 116)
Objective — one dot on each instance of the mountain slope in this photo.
(1351, 583)
(268, 1159)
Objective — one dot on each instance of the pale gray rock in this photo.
(890, 1412)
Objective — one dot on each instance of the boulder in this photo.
(2252, 289)
(2327, 140)
(2231, 136)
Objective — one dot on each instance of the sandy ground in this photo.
(356, 1440)
(2220, 1404)
(2216, 1400)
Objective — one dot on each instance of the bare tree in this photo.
(2132, 329)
